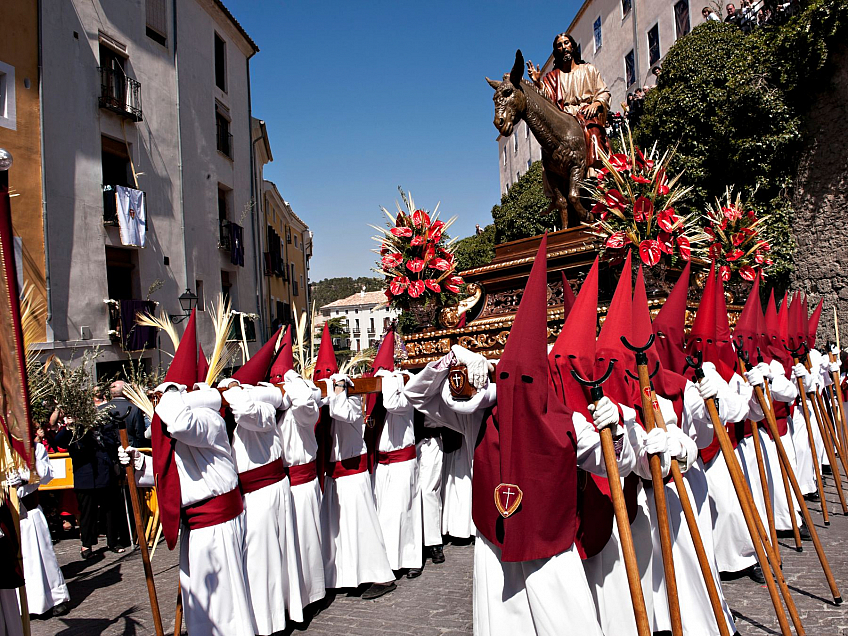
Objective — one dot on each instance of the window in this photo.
(630, 69)
(226, 286)
(224, 140)
(7, 96)
(654, 44)
(198, 290)
(596, 29)
(529, 163)
(681, 18)
(224, 217)
(625, 8)
(526, 131)
(115, 171)
(504, 156)
(122, 281)
(220, 63)
(293, 276)
(118, 92)
(295, 240)
(157, 21)
(514, 144)
(371, 328)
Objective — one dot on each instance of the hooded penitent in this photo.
(668, 384)
(183, 370)
(284, 362)
(256, 369)
(527, 444)
(813, 325)
(374, 409)
(669, 326)
(702, 336)
(568, 298)
(726, 352)
(325, 366)
(745, 333)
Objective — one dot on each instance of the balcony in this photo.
(120, 94)
(243, 327)
(110, 205)
(274, 265)
(123, 328)
(224, 235)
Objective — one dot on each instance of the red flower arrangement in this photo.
(416, 259)
(735, 240)
(634, 206)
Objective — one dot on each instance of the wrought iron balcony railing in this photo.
(120, 94)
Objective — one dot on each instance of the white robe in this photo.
(545, 596)
(801, 438)
(734, 550)
(354, 551)
(430, 481)
(396, 485)
(296, 424)
(695, 608)
(268, 518)
(456, 490)
(45, 585)
(215, 593)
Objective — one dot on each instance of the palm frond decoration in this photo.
(222, 352)
(360, 362)
(162, 322)
(139, 397)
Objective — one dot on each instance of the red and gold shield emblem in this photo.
(458, 378)
(507, 499)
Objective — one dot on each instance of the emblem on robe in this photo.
(507, 499)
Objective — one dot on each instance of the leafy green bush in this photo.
(522, 209)
(476, 250)
(733, 104)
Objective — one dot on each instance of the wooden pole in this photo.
(142, 541)
(178, 618)
(758, 450)
(805, 512)
(741, 488)
(829, 444)
(802, 397)
(833, 438)
(661, 504)
(839, 399)
(691, 521)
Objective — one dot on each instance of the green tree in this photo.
(732, 105)
(521, 212)
(476, 250)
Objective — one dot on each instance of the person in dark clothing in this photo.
(122, 409)
(95, 462)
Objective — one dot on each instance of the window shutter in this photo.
(157, 16)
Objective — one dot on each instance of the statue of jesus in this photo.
(577, 88)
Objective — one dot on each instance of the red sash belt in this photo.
(213, 511)
(346, 467)
(396, 456)
(302, 474)
(256, 478)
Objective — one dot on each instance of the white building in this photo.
(366, 314)
(153, 95)
(625, 40)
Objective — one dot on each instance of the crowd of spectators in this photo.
(752, 14)
(98, 499)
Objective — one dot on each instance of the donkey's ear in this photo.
(493, 83)
(517, 71)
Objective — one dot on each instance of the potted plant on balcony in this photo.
(418, 263)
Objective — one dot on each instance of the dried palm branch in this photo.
(163, 322)
(359, 362)
(222, 352)
(138, 397)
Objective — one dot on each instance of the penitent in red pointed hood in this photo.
(723, 345)
(326, 364)
(385, 358)
(526, 419)
(609, 347)
(667, 383)
(813, 325)
(183, 370)
(670, 326)
(745, 333)
(284, 362)
(256, 369)
(702, 336)
(575, 346)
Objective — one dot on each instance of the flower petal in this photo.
(649, 252)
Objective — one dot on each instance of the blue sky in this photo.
(362, 97)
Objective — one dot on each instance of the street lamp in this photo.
(188, 302)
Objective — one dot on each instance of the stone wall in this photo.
(820, 200)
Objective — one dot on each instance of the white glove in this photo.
(235, 395)
(754, 377)
(341, 377)
(681, 448)
(800, 371)
(834, 366)
(125, 455)
(657, 442)
(707, 388)
(14, 479)
(477, 365)
(766, 370)
(605, 414)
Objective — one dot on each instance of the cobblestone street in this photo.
(109, 596)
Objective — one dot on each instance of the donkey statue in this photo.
(560, 135)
